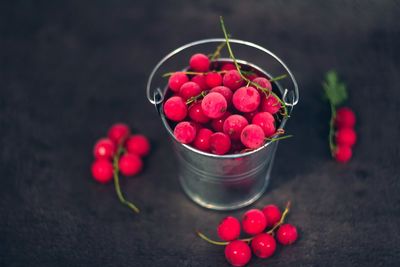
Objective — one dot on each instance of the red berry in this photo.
(102, 170)
(175, 108)
(345, 118)
(246, 99)
(185, 132)
(220, 143)
(254, 222)
(252, 136)
(213, 79)
(286, 234)
(217, 124)
(232, 80)
(272, 214)
(238, 253)
(263, 82)
(225, 91)
(214, 105)
(270, 104)
(196, 113)
(202, 140)
(263, 245)
(251, 76)
(189, 89)
(200, 79)
(250, 115)
(118, 133)
(234, 125)
(343, 154)
(138, 144)
(266, 121)
(130, 164)
(176, 80)
(228, 66)
(199, 62)
(229, 228)
(346, 137)
(104, 148)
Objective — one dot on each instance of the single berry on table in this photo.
(254, 222)
(104, 148)
(176, 80)
(118, 133)
(185, 132)
(345, 118)
(263, 245)
(220, 143)
(102, 170)
(286, 234)
(272, 214)
(343, 154)
(238, 253)
(229, 228)
(175, 108)
(130, 164)
(252, 136)
(346, 137)
(138, 144)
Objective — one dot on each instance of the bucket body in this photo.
(223, 182)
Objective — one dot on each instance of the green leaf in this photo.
(335, 91)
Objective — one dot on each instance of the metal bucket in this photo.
(229, 181)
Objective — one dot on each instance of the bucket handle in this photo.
(156, 97)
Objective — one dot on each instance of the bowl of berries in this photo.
(225, 109)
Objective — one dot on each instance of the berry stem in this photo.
(282, 220)
(277, 78)
(116, 181)
(278, 138)
(219, 243)
(332, 145)
(285, 113)
(217, 52)
(195, 98)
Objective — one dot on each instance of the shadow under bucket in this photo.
(224, 182)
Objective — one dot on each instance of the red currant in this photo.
(213, 79)
(246, 99)
(346, 137)
(102, 170)
(252, 136)
(196, 113)
(130, 164)
(185, 132)
(118, 133)
(272, 214)
(176, 80)
(138, 144)
(270, 104)
(228, 66)
(234, 125)
(225, 91)
(263, 82)
(189, 89)
(220, 143)
(200, 79)
(263, 245)
(343, 154)
(345, 118)
(287, 234)
(199, 62)
(214, 105)
(217, 124)
(266, 121)
(232, 80)
(175, 108)
(238, 253)
(229, 228)
(104, 148)
(202, 140)
(254, 222)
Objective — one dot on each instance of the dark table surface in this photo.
(69, 69)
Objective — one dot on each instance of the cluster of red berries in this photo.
(345, 136)
(121, 147)
(213, 109)
(254, 222)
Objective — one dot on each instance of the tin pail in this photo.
(229, 181)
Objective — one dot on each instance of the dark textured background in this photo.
(69, 69)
